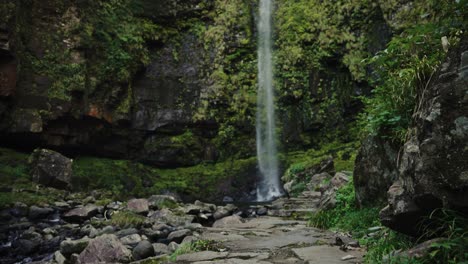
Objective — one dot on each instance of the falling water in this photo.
(269, 186)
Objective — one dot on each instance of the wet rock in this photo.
(143, 250)
(81, 214)
(51, 169)
(5, 215)
(36, 212)
(68, 247)
(161, 249)
(262, 211)
(107, 249)
(19, 210)
(227, 221)
(26, 247)
(139, 206)
(131, 240)
(228, 199)
(178, 236)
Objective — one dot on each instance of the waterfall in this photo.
(269, 185)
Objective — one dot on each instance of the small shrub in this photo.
(126, 219)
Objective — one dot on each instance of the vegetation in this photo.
(126, 219)
(131, 178)
(199, 245)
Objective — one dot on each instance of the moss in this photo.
(127, 178)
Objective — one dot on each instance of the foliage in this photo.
(115, 39)
(453, 227)
(230, 72)
(299, 162)
(383, 244)
(346, 215)
(126, 178)
(125, 219)
(6, 11)
(402, 72)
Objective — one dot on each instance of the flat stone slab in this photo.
(235, 261)
(201, 256)
(326, 255)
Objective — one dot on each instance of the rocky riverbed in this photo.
(160, 228)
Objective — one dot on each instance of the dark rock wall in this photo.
(434, 163)
(375, 170)
(52, 95)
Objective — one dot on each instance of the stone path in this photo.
(266, 240)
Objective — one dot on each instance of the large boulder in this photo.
(105, 249)
(143, 250)
(51, 168)
(228, 221)
(81, 214)
(433, 166)
(139, 206)
(375, 170)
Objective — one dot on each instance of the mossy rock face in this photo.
(182, 150)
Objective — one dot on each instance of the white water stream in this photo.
(269, 185)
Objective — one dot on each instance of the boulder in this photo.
(339, 180)
(319, 182)
(143, 250)
(26, 247)
(138, 206)
(161, 249)
(19, 209)
(179, 235)
(199, 207)
(105, 249)
(69, 247)
(81, 214)
(51, 169)
(131, 240)
(375, 170)
(433, 168)
(36, 212)
(166, 216)
(227, 221)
